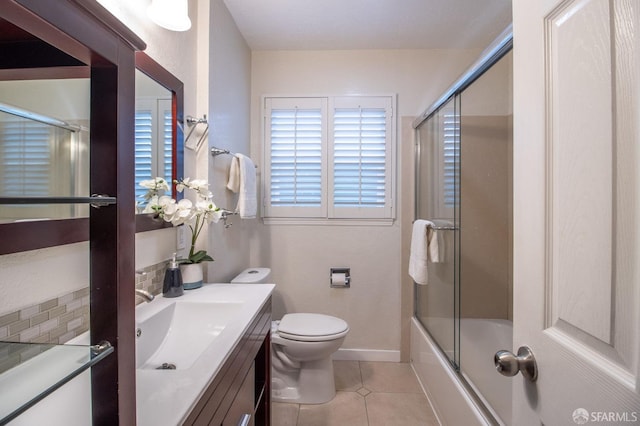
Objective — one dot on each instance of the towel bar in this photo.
(442, 227)
(225, 215)
(219, 151)
(193, 123)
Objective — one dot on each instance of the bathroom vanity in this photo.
(240, 391)
(204, 358)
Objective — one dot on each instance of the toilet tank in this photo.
(253, 276)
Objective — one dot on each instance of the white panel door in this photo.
(577, 210)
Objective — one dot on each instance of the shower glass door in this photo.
(486, 311)
(464, 185)
(438, 200)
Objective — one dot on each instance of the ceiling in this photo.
(369, 24)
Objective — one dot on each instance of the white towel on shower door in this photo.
(424, 247)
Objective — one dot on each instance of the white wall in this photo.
(229, 115)
(301, 256)
(61, 99)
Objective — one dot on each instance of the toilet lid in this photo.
(311, 326)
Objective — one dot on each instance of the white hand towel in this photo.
(419, 252)
(433, 244)
(441, 242)
(233, 183)
(424, 248)
(247, 194)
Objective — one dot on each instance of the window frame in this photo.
(329, 214)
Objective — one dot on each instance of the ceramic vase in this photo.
(191, 275)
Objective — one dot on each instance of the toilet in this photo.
(301, 349)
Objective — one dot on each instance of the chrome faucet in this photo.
(148, 297)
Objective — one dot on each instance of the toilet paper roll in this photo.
(339, 280)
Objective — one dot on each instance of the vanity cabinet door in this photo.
(243, 404)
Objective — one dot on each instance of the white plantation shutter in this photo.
(143, 149)
(361, 166)
(26, 155)
(329, 158)
(296, 159)
(153, 141)
(167, 144)
(451, 158)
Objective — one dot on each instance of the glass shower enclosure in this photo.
(464, 186)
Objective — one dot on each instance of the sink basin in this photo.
(176, 335)
(197, 333)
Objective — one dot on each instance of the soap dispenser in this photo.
(172, 280)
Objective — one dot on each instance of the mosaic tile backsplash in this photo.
(60, 319)
(53, 321)
(150, 279)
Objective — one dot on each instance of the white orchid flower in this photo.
(210, 211)
(185, 211)
(154, 187)
(182, 184)
(165, 200)
(180, 212)
(152, 205)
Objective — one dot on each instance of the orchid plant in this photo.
(155, 188)
(185, 212)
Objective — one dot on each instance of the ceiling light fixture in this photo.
(170, 14)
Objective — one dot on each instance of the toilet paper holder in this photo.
(340, 277)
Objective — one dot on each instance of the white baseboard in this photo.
(366, 355)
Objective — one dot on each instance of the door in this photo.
(577, 210)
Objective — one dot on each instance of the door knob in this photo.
(509, 364)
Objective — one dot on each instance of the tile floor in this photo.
(368, 394)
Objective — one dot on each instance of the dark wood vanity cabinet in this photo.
(243, 384)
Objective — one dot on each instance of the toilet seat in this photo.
(306, 327)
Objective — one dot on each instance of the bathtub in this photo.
(486, 396)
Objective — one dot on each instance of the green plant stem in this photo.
(195, 232)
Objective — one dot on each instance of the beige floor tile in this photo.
(347, 375)
(347, 408)
(283, 414)
(399, 409)
(389, 377)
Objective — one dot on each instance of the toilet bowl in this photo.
(301, 349)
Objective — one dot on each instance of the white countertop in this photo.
(166, 397)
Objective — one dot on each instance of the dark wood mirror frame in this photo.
(144, 63)
(24, 236)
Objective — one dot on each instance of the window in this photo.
(451, 156)
(329, 157)
(26, 154)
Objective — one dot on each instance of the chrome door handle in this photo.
(244, 420)
(509, 364)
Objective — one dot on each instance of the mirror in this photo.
(45, 146)
(50, 73)
(39, 131)
(153, 135)
(159, 132)
(44, 127)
